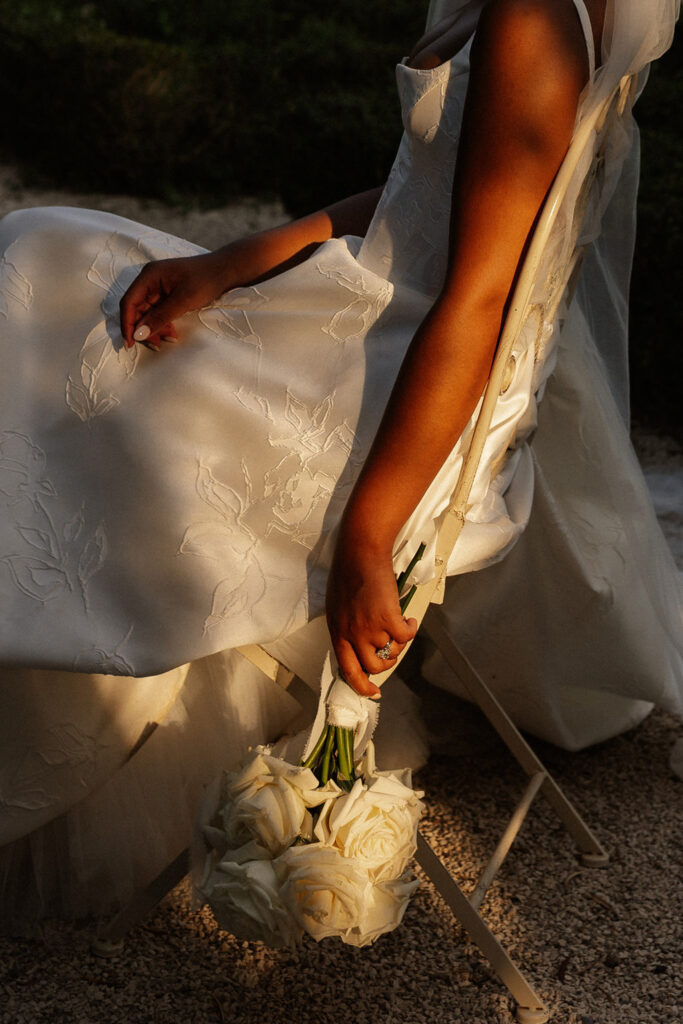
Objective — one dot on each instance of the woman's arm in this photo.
(166, 289)
(528, 66)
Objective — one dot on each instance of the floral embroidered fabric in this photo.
(159, 508)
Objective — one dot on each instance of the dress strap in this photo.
(588, 33)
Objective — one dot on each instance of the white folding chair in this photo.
(585, 157)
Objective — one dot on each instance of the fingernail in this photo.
(167, 337)
(375, 696)
(141, 333)
(154, 346)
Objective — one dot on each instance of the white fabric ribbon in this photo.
(340, 705)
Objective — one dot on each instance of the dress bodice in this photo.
(407, 241)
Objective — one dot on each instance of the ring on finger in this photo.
(385, 652)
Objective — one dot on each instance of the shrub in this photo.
(205, 100)
(656, 302)
(210, 100)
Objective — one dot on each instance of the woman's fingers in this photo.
(166, 335)
(367, 627)
(381, 651)
(371, 660)
(157, 297)
(156, 324)
(138, 299)
(401, 629)
(352, 671)
(360, 659)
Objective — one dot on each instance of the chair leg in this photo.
(530, 1008)
(506, 840)
(592, 851)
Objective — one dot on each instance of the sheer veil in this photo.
(636, 32)
(585, 611)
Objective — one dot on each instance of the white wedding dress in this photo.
(160, 510)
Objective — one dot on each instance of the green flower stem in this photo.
(312, 759)
(349, 735)
(340, 751)
(327, 754)
(348, 748)
(402, 578)
(345, 764)
(407, 598)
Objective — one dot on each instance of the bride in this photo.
(209, 449)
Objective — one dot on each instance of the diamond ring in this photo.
(384, 652)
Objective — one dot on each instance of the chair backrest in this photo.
(548, 275)
(555, 269)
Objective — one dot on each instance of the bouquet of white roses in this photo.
(284, 854)
(322, 847)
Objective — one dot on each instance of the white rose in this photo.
(246, 902)
(267, 801)
(374, 824)
(325, 892)
(384, 910)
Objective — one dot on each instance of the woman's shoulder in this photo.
(535, 49)
(541, 29)
(531, 11)
(528, 67)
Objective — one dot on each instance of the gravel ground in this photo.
(602, 946)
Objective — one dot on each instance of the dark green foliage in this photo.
(205, 100)
(219, 98)
(657, 292)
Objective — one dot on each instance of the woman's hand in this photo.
(165, 290)
(363, 614)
